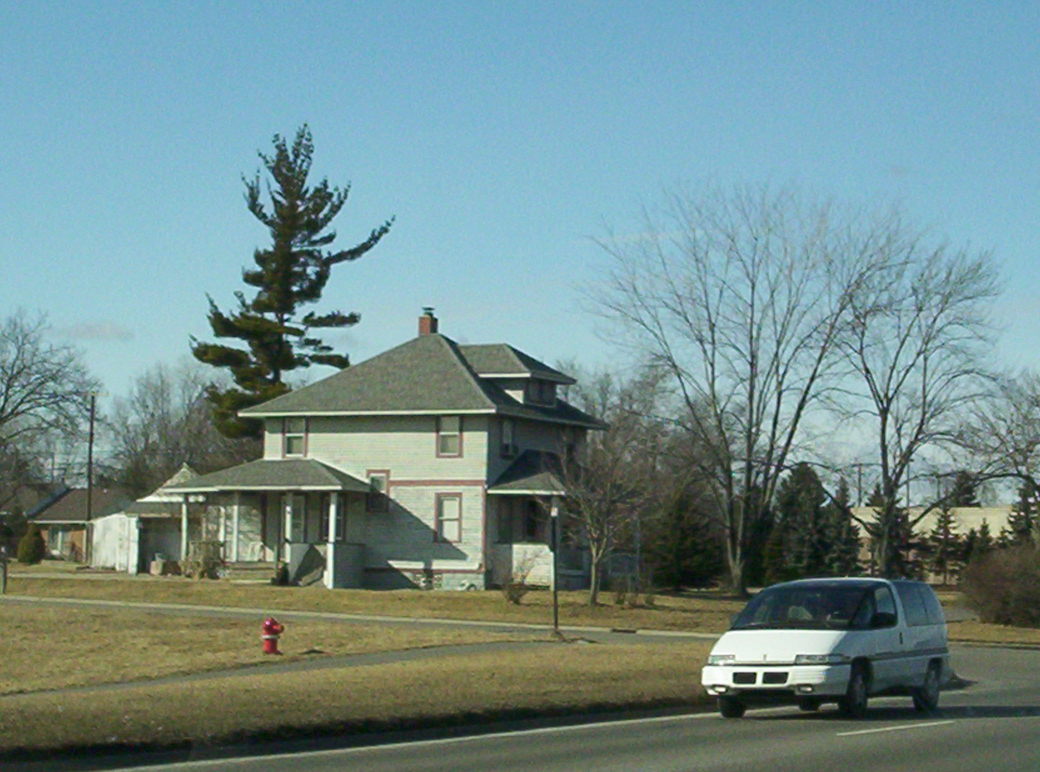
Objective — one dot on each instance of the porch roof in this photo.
(533, 473)
(299, 474)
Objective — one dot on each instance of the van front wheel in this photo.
(854, 703)
(731, 707)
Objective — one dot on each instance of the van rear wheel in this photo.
(926, 696)
(730, 707)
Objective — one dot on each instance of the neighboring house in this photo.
(433, 464)
(63, 518)
(144, 530)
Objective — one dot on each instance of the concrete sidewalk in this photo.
(315, 662)
(603, 634)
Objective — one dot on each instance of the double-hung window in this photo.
(449, 436)
(294, 437)
(449, 517)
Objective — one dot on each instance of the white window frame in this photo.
(442, 434)
(440, 533)
(290, 433)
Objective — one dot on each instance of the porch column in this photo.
(235, 507)
(223, 530)
(287, 534)
(184, 529)
(330, 547)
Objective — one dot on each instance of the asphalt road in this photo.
(992, 724)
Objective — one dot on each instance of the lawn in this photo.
(47, 648)
(706, 612)
(565, 678)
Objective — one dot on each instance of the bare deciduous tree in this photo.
(164, 422)
(916, 343)
(44, 396)
(741, 297)
(1002, 432)
(610, 483)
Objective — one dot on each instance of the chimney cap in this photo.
(427, 321)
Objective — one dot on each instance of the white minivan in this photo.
(831, 640)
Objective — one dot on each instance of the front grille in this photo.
(745, 678)
(774, 678)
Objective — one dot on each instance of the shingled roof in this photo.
(429, 374)
(273, 474)
(534, 472)
(501, 359)
(70, 506)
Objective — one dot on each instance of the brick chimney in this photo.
(427, 322)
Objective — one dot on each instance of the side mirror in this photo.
(882, 619)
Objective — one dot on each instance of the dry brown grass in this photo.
(565, 678)
(46, 648)
(706, 613)
(983, 632)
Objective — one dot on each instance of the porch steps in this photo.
(250, 573)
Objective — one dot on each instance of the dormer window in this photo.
(294, 437)
(541, 392)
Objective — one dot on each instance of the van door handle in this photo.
(900, 639)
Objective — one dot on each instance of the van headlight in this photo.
(820, 659)
(721, 659)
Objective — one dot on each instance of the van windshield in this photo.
(808, 607)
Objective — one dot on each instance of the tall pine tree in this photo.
(964, 490)
(289, 275)
(842, 534)
(802, 523)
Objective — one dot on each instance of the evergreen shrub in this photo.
(31, 547)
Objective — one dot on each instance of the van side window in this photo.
(932, 605)
(885, 604)
(913, 603)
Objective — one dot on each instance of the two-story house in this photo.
(432, 464)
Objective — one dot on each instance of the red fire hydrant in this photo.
(270, 630)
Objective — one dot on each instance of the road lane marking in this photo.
(900, 728)
(228, 762)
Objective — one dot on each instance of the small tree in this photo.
(964, 490)
(984, 542)
(31, 548)
(608, 481)
(1022, 523)
(944, 545)
(291, 274)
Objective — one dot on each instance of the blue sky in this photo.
(502, 136)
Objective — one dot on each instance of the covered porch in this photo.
(298, 513)
(525, 504)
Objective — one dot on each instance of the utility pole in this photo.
(87, 536)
